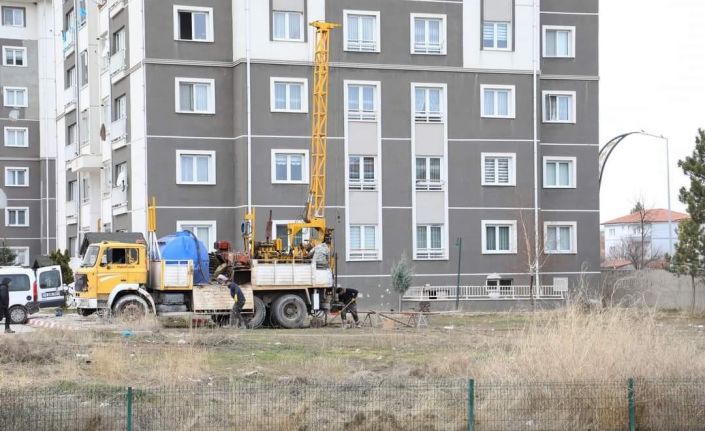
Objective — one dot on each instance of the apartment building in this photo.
(27, 123)
(472, 119)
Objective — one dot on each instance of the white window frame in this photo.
(430, 253)
(14, 48)
(346, 42)
(287, 15)
(21, 251)
(304, 166)
(443, 33)
(212, 226)
(209, 23)
(573, 236)
(494, 40)
(512, 100)
(5, 92)
(512, 236)
(544, 107)
(571, 43)
(573, 176)
(211, 167)
(428, 116)
(85, 187)
(305, 232)
(24, 16)
(7, 216)
(26, 136)
(363, 253)
(211, 94)
(17, 168)
(512, 169)
(362, 184)
(361, 114)
(427, 184)
(281, 80)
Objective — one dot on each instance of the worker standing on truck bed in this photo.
(5, 303)
(236, 319)
(349, 299)
(320, 254)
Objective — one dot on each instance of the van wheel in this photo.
(289, 311)
(260, 313)
(131, 308)
(18, 315)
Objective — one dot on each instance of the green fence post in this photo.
(129, 409)
(471, 405)
(632, 404)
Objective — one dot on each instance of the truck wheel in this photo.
(260, 313)
(289, 311)
(130, 308)
(18, 315)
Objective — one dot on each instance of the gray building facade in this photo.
(456, 119)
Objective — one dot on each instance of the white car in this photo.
(31, 290)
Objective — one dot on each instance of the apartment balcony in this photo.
(71, 211)
(115, 7)
(119, 200)
(118, 133)
(70, 152)
(86, 162)
(117, 66)
(70, 99)
(69, 39)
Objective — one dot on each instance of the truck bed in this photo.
(215, 298)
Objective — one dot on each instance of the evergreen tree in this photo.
(638, 207)
(7, 256)
(63, 259)
(694, 168)
(402, 276)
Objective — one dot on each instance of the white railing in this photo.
(70, 151)
(71, 209)
(362, 185)
(362, 115)
(428, 48)
(363, 254)
(428, 117)
(362, 45)
(69, 96)
(429, 186)
(117, 62)
(447, 293)
(430, 253)
(118, 129)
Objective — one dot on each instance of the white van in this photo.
(31, 290)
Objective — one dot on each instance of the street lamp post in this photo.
(459, 244)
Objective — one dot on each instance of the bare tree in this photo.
(532, 260)
(637, 248)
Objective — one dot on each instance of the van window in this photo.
(50, 279)
(122, 256)
(20, 282)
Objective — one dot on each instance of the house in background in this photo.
(624, 237)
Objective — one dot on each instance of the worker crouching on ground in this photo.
(5, 303)
(349, 299)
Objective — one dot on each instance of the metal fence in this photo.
(514, 292)
(305, 405)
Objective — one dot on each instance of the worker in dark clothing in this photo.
(236, 319)
(5, 303)
(349, 299)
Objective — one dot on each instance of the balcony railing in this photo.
(362, 115)
(117, 62)
(428, 47)
(363, 254)
(428, 116)
(430, 253)
(448, 293)
(71, 208)
(362, 45)
(70, 151)
(69, 38)
(429, 186)
(69, 96)
(362, 185)
(118, 129)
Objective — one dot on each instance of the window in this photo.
(499, 236)
(195, 96)
(71, 244)
(428, 174)
(288, 26)
(70, 78)
(361, 31)
(428, 35)
(361, 102)
(16, 177)
(16, 137)
(281, 231)
(120, 173)
(122, 256)
(560, 237)
(288, 95)
(503, 286)
(15, 96)
(85, 190)
(107, 177)
(81, 12)
(21, 256)
(559, 172)
(495, 35)
(195, 167)
(14, 56)
(427, 105)
(290, 166)
(205, 231)
(20, 283)
(120, 107)
(71, 134)
(498, 169)
(84, 133)
(429, 243)
(363, 242)
(193, 23)
(72, 191)
(13, 16)
(611, 232)
(361, 173)
(84, 67)
(497, 101)
(69, 20)
(118, 41)
(17, 217)
(559, 107)
(558, 41)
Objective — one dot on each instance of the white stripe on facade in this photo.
(546, 12)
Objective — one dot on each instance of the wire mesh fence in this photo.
(363, 405)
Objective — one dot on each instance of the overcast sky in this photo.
(652, 69)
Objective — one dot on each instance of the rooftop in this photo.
(652, 215)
